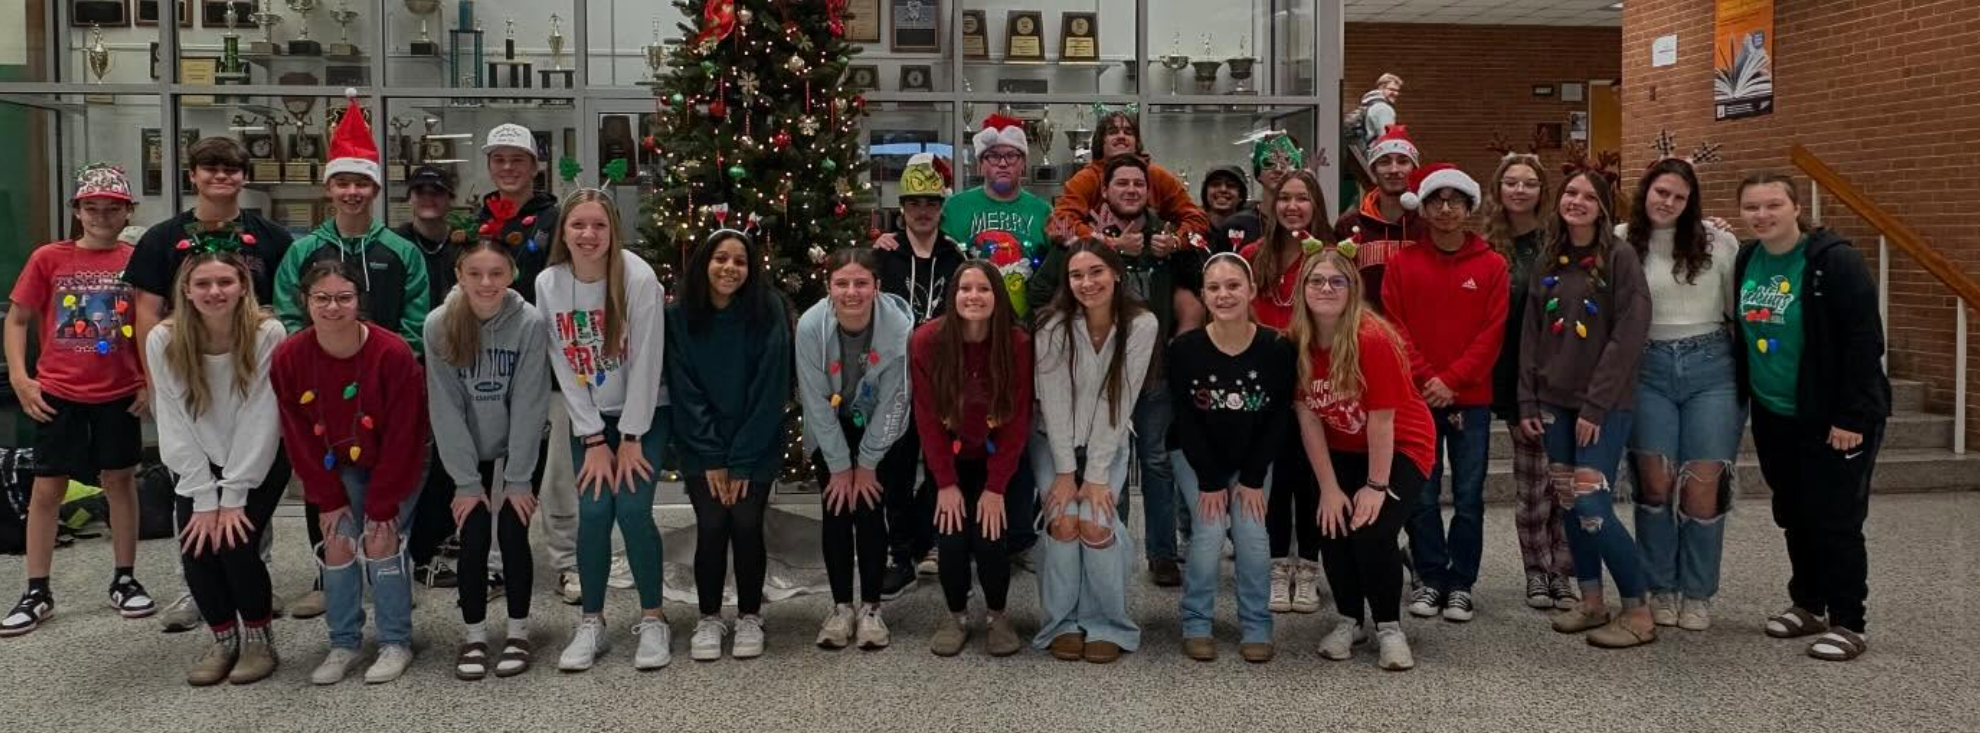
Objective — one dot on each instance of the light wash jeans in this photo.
(390, 578)
(1206, 559)
(1687, 413)
(1082, 589)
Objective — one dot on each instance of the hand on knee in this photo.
(1063, 528)
(339, 550)
(380, 545)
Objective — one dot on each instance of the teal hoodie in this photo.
(393, 276)
(881, 398)
(729, 384)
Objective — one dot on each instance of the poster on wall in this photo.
(1742, 59)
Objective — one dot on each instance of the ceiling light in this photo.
(1616, 6)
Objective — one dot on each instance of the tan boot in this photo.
(949, 637)
(257, 660)
(214, 665)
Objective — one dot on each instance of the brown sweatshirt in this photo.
(1558, 365)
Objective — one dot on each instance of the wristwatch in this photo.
(594, 440)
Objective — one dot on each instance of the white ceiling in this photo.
(1486, 12)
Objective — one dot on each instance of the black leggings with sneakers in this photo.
(962, 548)
(862, 531)
(1365, 565)
(717, 529)
(232, 584)
(1293, 503)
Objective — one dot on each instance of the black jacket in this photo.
(533, 252)
(1842, 381)
(926, 289)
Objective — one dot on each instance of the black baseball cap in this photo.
(430, 175)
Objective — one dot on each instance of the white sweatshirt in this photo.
(1072, 394)
(1681, 310)
(628, 386)
(239, 433)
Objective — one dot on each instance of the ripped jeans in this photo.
(1596, 537)
(1688, 419)
(390, 577)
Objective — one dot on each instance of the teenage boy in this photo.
(1273, 157)
(87, 392)
(1447, 294)
(430, 193)
(1380, 225)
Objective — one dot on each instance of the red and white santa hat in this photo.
(998, 130)
(352, 149)
(1394, 140)
(1426, 181)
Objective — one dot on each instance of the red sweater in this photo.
(373, 403)
(1450, 308)
(940, 445)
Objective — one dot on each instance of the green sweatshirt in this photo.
(392, 273)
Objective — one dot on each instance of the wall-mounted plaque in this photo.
(917, 26)
(1024, 36)
(1079, 37)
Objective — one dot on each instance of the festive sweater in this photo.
(1000, 444)
(393, 273)
(1232, 411)
(1008, 234)
(497, 404)
(1376, 241)
(631, 385)
(1586, 324)
(1451, 307)
(876, 395)
(239, 433)
(1275, 308)
(1840, 374)
(86, 315)
(366, 411)
(1167, 195)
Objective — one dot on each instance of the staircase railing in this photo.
(1891, 230)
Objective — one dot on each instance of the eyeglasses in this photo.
(1001, 158)
(1324, 283)
(344, 299)
(1520, 185)
(1453, 203)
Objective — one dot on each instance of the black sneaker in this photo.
(1426, 602)
(1457, 607)
(436, 575)
(1165, 573)
(900, 579)
(34, 608)
(128, 597)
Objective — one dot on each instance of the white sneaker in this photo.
(837, 630)
(1339, 644)
(335, 666)
(1394, 647)
(392, 661)
(1281, 599)
(1306, 587)
(706, 644)
(569, 588)
(1664, 609)
(1696, 615)
(587, 643)
(620, 576)
(749, 638)
(182, 615)
(656, 644)
(873, 632)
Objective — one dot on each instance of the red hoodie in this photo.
(1452, 308)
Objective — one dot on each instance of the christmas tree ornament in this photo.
(718, 109)
(817, 255)
(737, 172)
(781, 140)
(677, 99)
(808, 125)
(829, 165)
(708, 67)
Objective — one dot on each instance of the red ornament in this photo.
(873, 357)
(317, 428)
(487, 229)
(1588, 263)
(651, 144)
(247, 239)
(366, 422)
(529, 221)
(718, 108)
(839, 209)
(185, 244)
(782, 139)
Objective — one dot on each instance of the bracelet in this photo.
(623, 438)
(1376, 486)
(594, 441)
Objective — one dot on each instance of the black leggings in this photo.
(1365, 565)
(233, 583)
(958, 549)
(910, 506)
(433, 515)
(1294, 504)
(719, 527)
(862, 531)
(519, 565)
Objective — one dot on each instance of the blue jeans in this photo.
(629, 507)
(1464, 436)
(1688, 414)
(1080, 588)
(1206, 550)
(1152, 414)
(390, 577)
(1595, 536)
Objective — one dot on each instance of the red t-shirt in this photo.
(1386, 385)
(1266, 306)
(88, 351)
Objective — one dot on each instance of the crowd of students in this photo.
(1301, 386)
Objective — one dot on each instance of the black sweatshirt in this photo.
(1231, 409)
(1842, 380)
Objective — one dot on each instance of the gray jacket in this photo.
(882, 393)
(498, 405)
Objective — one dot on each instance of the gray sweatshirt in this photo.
(1072, 391)
(496, 406)
(880, 393)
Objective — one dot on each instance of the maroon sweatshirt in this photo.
(367, 411)
(941, 445)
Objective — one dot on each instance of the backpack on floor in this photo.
(156, 494)
(16, 484)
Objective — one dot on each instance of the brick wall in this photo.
(1462, 83)
(1887, 92)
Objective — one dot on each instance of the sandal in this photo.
(471, 662)
(1794, 622)
(1577, 620)
(1839, 645)
(1617, 634)
(515, 657)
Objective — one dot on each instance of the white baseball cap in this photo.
(510, 135)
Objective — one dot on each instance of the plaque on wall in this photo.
(615, 142)
(198, 71)
(863, 77)
(1024, 36)
(152, 157)
(863, 21)
(917, 25)
(213, 13)
(976, 35)
(1079, 36)
(148, 13)
(296, 213)
(917, 78)
(106, 13)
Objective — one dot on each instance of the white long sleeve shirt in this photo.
(239, 433)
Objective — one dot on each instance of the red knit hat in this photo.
(352, 150)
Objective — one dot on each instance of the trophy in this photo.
(557, 77)
(232, 69)
(400, 159)
(267, 19)
(518, 76)
(343, 16)
(259, 134)
(1079, 138)
(301, 45)
(969, 112)
(655, 54)
(424, 46)
(97, 56)
(1043, 127)
(464, 55)
(303, 147)
(1206, 71)
(1241, 71)
(1174, 61)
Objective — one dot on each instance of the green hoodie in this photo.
(392, 272)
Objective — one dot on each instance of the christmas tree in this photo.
(756, 132)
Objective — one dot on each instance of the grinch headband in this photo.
(1276, 150)
(1666, 147)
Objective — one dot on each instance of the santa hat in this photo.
(1001, 130)
(352, 150)
(926, 176)
(1395, 139)
(1426, 181)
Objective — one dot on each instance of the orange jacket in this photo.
(1081, 195)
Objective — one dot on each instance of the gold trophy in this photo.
(267, 19)
(343, 16)
(301, 45)
(655, 54)
(97, 56)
